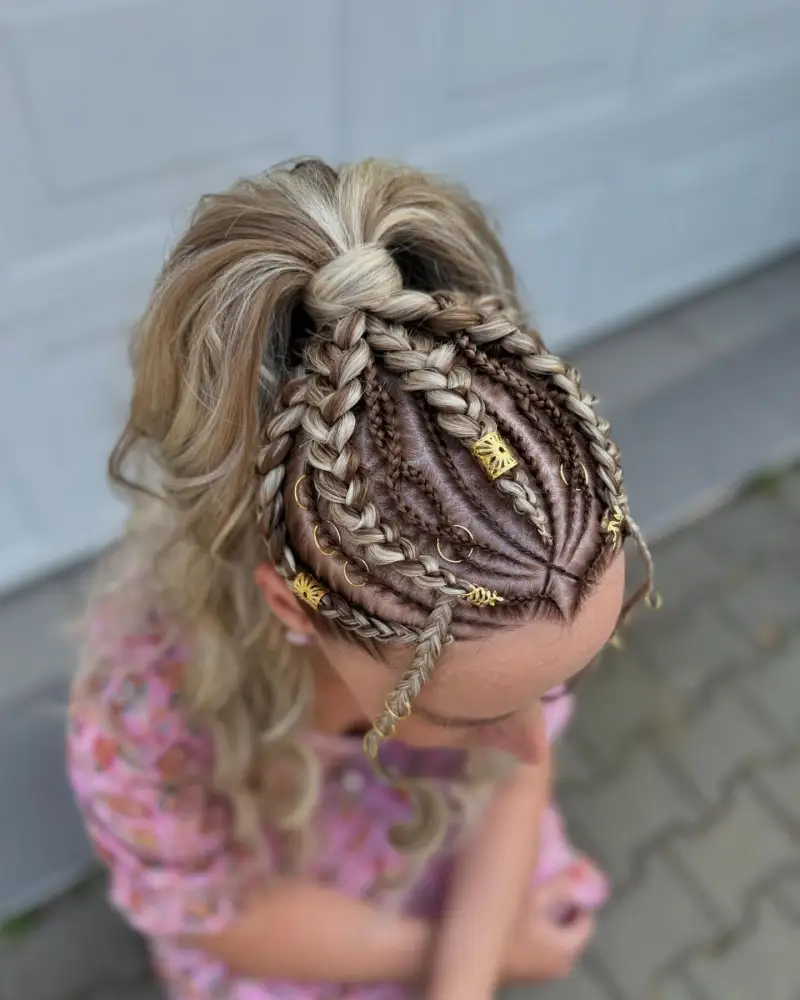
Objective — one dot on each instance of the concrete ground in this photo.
(682, 771)
(681, 775)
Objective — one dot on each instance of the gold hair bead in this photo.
(494, 454)
(309, 590)
(612, 523)
(480, 597)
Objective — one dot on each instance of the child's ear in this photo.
(281, 601)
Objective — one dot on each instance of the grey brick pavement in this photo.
(682, 774)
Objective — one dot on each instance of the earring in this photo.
(298, 638)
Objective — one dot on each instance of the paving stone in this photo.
(789, 492)
(620, 699)
(645, 929)
(690, 649)
(622, 815)
(775, 686)
(736, 853)
(140, 991)
(572, 761)
(788, 894)
(689, 444)
(764, 964)
(689, 565)
(78, 943)
(782, 786)
(673, 987)
(581, 985)
(768, 598)
(755, 529)
(718, 740)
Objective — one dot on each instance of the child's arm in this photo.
(491, 878)
(303, 931)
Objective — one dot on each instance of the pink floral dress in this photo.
(140, 773)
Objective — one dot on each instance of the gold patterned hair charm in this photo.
(612, 523)
(494, 454)
(309, 590)
(480, 597)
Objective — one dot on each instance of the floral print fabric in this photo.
(140, 772)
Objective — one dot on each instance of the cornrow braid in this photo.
(271, 469)
(431, 368)
(497, 329)
(567, 448)
(534, 402)
(493, 327)
(379, 405)
(332, 393)
(380, 410)
(428, 808)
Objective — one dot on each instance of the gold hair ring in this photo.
(327, 552)
(480, 597)
(654, 601)
(370, 743)
(472, 547)
(564, 478)
(309, 590)
(385, 732)
(494, 454)
(617, 641)
(356, 586)
(394, 715)
(296, 497)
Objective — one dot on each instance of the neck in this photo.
(334, 709)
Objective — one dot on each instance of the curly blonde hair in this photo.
(330, 363)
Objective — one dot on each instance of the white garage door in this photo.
(630, 148)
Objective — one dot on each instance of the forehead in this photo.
(512, 668)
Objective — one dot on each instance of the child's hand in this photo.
(550, 936)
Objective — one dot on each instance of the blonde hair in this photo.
(322, 352)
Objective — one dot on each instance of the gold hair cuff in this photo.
(480, 597)
(309, 590)
(494, 454)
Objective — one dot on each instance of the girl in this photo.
(371, 507)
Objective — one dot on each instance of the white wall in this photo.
(632, 149)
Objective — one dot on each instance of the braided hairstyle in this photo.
(354, 347)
